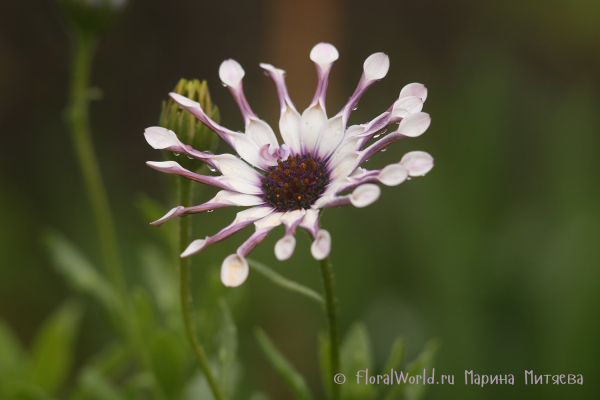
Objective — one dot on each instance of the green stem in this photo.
(78, 120)
(186, 291)
(332, 320)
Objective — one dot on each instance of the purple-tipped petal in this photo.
(228, 182)
(194, 108)
(164, 139)
(242, 220)
(231, 74)
(263, 227)
(224, 198)
(375, 68)
(323, 55)
(289, 121)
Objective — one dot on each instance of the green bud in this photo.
(187, 127)
(91, 16)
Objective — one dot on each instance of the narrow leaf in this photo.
(77, 270)
(11, 353)
(284, 282)
(98, 387)
(355, 356)
(53, 348)
(227, 347)
(288, 373)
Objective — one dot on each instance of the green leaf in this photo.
(168, 353)
(396, 355)
(12, 356)
(395, 360)
(284, 282)
(288, 373)
(77, 270)
(96, 386)
(53, 348)
(160, 279)
(259, 396)
(355, 356)
(227, 348)
(423, 361)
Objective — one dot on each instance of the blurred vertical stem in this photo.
(332, 319)
(78, 120)
(185, 189)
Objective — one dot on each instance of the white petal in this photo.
(313, 119)
(231, 73)
(414, 89)
(346, 165)
(194, 247)
(376, 66)
(310, 222)
(291, 217)
(331, 136)
(161, 138)
(414, 124)
(284, 248)
(248, 150)
(261, 133)
(241, 185)
(321, 247)
(269, 222)
(324, 54)
(163, 165)
(229, 164)
(184, 101)
(289, 126)
(365, 195)
(406, 106)
(237, 199)
(418, 163)
(234, 270)
(392, 175)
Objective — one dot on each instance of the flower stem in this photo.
(185, 188)
(78, 121)
(332, 320)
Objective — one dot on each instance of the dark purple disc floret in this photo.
(295, 183)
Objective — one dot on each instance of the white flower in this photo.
(320, 159)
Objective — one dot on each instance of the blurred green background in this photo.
(495, 252)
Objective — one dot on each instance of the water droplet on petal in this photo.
(376, 136)
(191, 158)
(383, 150)
(211, 169)
(224, 84)
(355, 108)
(210, 210)
(208, 152)
(176, 154)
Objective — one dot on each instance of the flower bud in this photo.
(189, 129)
(92, 16)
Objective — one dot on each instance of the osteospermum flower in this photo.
(319, 160)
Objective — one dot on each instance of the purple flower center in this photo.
(295, 183)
